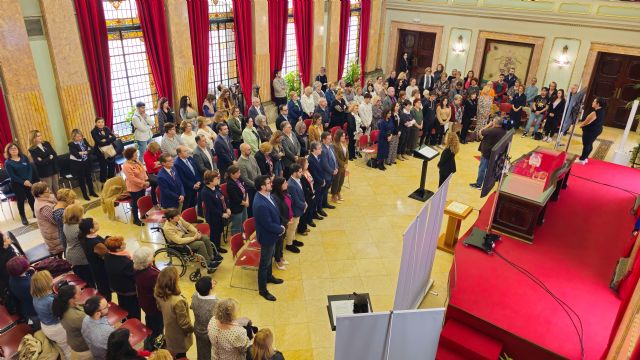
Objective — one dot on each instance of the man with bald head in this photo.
(390, 101)
(187, 170)
(249, 171)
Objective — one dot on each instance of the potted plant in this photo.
(352, 74)
(293, 82)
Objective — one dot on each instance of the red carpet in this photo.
(574, 253)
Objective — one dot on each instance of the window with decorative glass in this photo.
(290, 62)
(223, 65)
(131, 79)
(353, 38)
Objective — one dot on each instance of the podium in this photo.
(457, 212)
(427, 154)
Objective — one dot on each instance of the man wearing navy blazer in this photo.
(315, 168)
(171, 191)
(256, 109)
(268, 232)
(224, 149)
(187, 169)
(295, 109)
(298, 206)
(329, 167)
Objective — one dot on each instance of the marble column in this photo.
(21, 88)
(261, 61)
(333, 35)
(319, 38)
(72, 81)
(182, 70)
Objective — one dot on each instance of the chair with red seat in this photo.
(333, 130)
(138, 332)
(7, 320)
(245, 257)
(85, 294)
(189, 215)
(374, 136)
(125, 201)
(147, 212)
(68, 278)
(223, 190)
(116, 314)
(308, 122)
(505, 107)
(144, 205)
(158, 194)
(10, 340)
(248, 229)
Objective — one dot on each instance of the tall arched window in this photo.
(223, 67)
(131, 79)
(290, 62)
(353, 39)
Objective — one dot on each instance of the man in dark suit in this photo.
(291, 147)
(323, 110)
(283, 113)
(315, 168)
(295, 109)
(224, 149)
(203, 155)
(268, 232)
(187, 171)
(298, 206)
(171, 190)
(329, 166)
(426, 81)
(256, 109)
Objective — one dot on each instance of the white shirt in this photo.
(410, 90)
(366, 113)
(358, 124)
(308, 105)
(207, 152)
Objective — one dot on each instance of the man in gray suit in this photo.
(249, 171)
(291, 148)
(203, 155)
(574, 101)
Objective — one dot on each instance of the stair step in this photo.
(468, 342)
(446, 353)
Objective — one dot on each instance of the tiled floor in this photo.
(357, 248)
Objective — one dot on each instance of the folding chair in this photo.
(116, 314)
(69, 278)
(248, 229)
(7, 321)
(86, 293)
(307, 123)
(189, 215)
(244, 257)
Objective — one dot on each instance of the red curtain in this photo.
(303, 17)
(154, 30)
(5, 128)
(244, 47)
(95, 46)
(345, 15)
(278, 17)
(365, 21)
(199, 29)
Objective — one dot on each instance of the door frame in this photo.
(592, 58)
(396, 26)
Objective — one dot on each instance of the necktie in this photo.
(189, 165)
(173, 175)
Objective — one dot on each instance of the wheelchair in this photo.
(178, 256)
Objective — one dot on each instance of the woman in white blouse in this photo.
(205, 130)
(188, 136)
(365, 110)
(308, 105)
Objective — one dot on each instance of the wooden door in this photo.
(420, 47)
(615, 79)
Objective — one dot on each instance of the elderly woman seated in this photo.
(178, 231)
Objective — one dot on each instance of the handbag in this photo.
(108, 151)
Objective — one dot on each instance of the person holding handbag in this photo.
(21, 174)
(106, 152)
(79, 150)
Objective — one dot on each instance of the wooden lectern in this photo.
(456, 212)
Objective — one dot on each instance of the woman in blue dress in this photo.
(385, 125)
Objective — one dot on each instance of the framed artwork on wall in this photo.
(500, 55)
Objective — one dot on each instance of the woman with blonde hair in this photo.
(74, 251)
(205, 131)
(262, 348)
(65, 197)
(178, 329)
(42, 293)
(44, 158)
(447, 162)
(278, 152)
(317, 93)
(316, 128)
(188, 136)
(21, 174)
(229, 340)
(265, 160)
(208, 106)
(485, 101)
(161, 354)
(80, 165)
(43, 209)
(401, 82)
